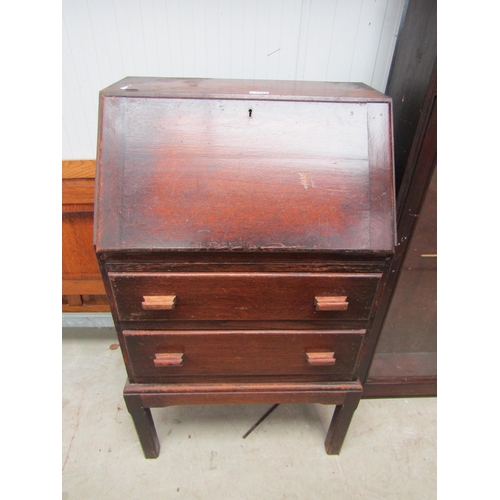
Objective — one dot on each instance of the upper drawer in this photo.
(243, 296)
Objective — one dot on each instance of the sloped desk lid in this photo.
(199, 164)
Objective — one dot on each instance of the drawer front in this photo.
(243, 296)
(158, 354)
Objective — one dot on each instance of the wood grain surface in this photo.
(78, 169)
(78, 191)
(243, 296)
(202, 174)
(228, 353)
(243, 89)
(249, 208)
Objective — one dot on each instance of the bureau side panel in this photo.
(109, 174)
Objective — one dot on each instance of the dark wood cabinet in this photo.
(244, 231)
(405, 361)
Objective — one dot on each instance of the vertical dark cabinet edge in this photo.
(414, 69)
(418, 174)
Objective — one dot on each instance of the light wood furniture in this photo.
(82, 286)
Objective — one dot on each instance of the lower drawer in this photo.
(159, 354)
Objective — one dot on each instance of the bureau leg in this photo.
(144, 425)
(341, 420)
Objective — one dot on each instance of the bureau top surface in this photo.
(191, 164)
(207, 88)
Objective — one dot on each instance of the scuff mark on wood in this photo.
(303, 179)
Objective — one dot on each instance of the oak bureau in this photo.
(244, 230)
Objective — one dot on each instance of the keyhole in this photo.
(250, 113)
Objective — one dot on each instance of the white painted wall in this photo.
(323, 40)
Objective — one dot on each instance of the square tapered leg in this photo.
(341, 420)
(144, 425)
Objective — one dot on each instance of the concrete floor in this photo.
(389, 452)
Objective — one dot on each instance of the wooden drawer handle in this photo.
(320, 358)
(159, 303)
(169, 359)
(331, 303)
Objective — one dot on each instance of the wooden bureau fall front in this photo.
(244, 231)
